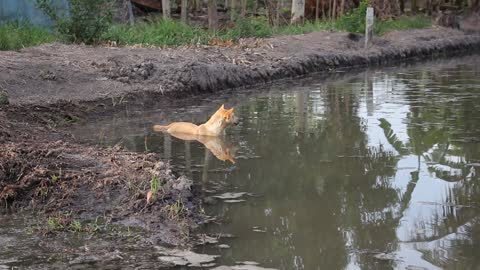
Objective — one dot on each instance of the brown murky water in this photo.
(372, 170)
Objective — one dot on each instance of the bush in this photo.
(86, 21)
(355, 20)
(21, 34)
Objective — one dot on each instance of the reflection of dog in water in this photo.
(213, 143)
(206, 133)
(215, 126)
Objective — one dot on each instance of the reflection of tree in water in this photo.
(443, 130)
(335, 179)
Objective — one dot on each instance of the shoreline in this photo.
(56, 85)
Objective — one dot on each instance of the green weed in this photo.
(55, 223)
(75, 226)
(21, 34)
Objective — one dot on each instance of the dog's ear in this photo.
(222, 107)
(228, 113)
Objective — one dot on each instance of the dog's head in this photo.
(228, 116)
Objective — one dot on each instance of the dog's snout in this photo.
(235, 121)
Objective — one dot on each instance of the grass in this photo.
(159, 33)
(168, 33)
(155, 184)
(173, 33)
(308, 27)
(18, 35)
(403, 23)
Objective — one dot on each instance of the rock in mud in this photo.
(3, 97)
(133, 73)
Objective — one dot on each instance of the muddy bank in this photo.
(112, 76)
(46, 172)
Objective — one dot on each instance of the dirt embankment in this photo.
(50, 73)
(51, 85)
(48, 172)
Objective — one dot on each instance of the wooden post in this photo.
(166, 9)
(212, 14)
(369, 27)
(184, 11)
(131, 20)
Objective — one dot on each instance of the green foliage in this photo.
(86, 22)
(355, 20)
(248, 27)
(158, 33)
(54, 178)
(55, 223)
(392, 137)
(21, 34)
(308, 27)
(75, 226)
(155, 184)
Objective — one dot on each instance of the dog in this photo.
(215, 126)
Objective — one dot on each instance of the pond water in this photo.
(362, 170)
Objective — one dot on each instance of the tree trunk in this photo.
(330, 9)
(166, 9)
(402, 6)
(198, 5)
(298, 11)
(342, 7)
(232, 11)
(131, 19)
(334, 9)
(277, 12)
(317, 10)
(414, 6)
(184, 11)
(255, 7)
(324, 12)
(244, 8)
(212, 14)
(271, 7)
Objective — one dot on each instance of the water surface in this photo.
(370, 170)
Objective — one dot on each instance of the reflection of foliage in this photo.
(392, 137)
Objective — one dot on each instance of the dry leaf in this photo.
(149, 196)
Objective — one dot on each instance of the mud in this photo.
(48, 173)
(43, 168)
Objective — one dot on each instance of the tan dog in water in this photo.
(215, 126)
